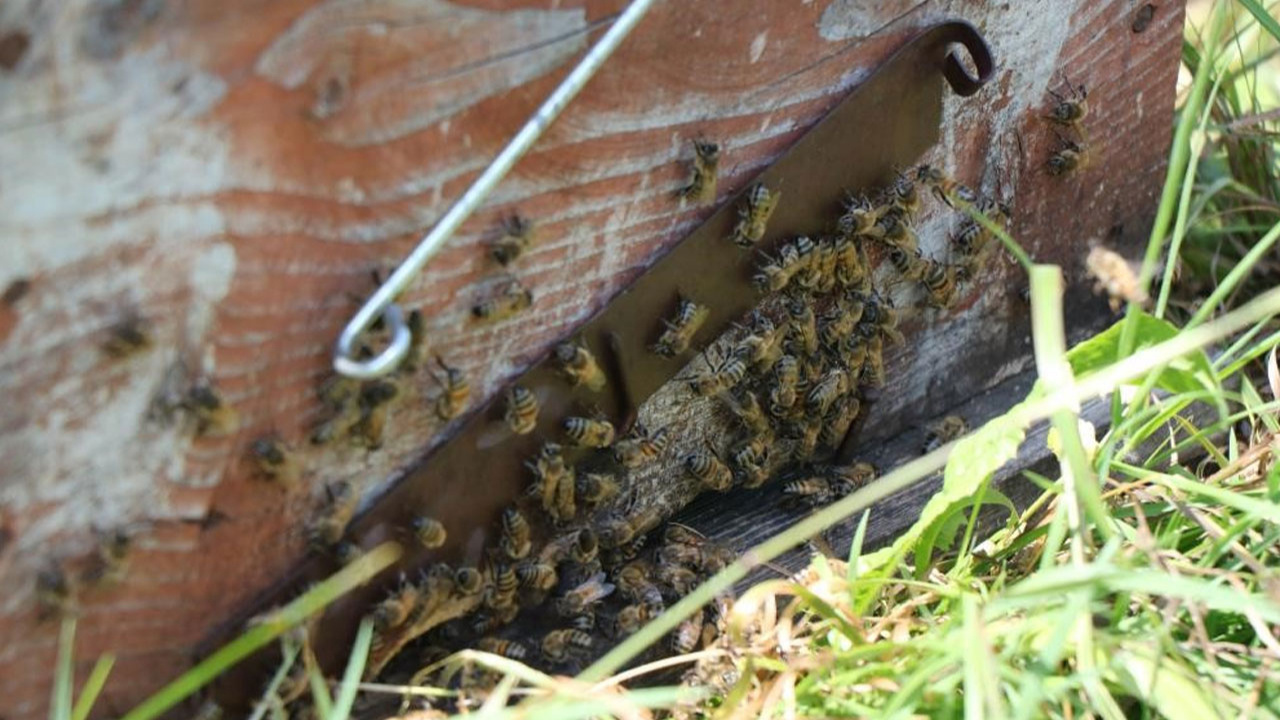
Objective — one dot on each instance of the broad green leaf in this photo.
(1186, 374)
(941, 533)
(1162, 683)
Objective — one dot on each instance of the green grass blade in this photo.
(275, 625)
(355, 669)
(63, 671)
(93, 687)
(1264, 18)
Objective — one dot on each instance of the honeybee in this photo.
(851, 264)
(578, 600)
(641, 447)
(760, 348)
(709, 470)
(557, 644)
(127, 337)
(753, 217)
(631, 618)
(835, 425)
(702, 184)
(812, 491)
(586, 622)
(880, 319)
(429, 531)
(417, 340)
(724, 375)
(804, 433)
(597, 488)
(211, 415)
(456, 390)
(327, 529)
(55, 592)
(468, 580)
(618, 531)
(579, 366)
(782, 396)
(687, 634)
(908, 264)
(111, 560)
(970, 238)
(1069, 109)
(898, 234)
(852, 477)
(873, 367)
(678, 332)
(633, 584)
(859, 217)
(538, 576)
(749, 460)
(373, 399)
(904, 196)
(832, 385)
(745, 406)
(506, 648)
(515, 541)
(347, 552)
(1116, 276)
(699, 556)
(557, 489)
(518, 233)
(588, 432)
(943, 186)
(804, 326)
(513, 299)
(585, 547)
(680, 579)
(273, 460)
(522, 410)
(944, 431)
(1067, 158)
(939, 281)
(501, 592)
(397, 608)
(838, 322)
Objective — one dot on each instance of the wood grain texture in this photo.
(233, 171)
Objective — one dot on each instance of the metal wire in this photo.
(382, 302)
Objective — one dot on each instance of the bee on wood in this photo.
(554, 482)
(586, 622)
(833, 384)
(803, 327)
(597, 488)
(944, 431)
(804, 433)
(631, 618)
(538, 576)
(839, 321)
(468, 580)
(641, 447)
(212, 416)
(939, 281)
(898, 234)
(680, 579)
(515, 541)
(761, 347)
(711, 472)
(749, 460)
(585, 547)
(374, 398)
(1069, 109)
(417, 326)
(512, 300)
(522, 410)
(1068, 158)
(873, 368)
(618, 531)
(812, 491)
(633, 583)
(500, 595)
(782, 396)
(702, 556)
(397, 608)
(557, 644)
(588, 432)
(943, 186)
(723, 375)
(745, 406)
(429, 532)
(753, 217)
(1116, 276)
(904, 196)
(328, 528)
(859, 217)
(702, 183)
(111, 559)
(273, 460)
(55, 592)
(455, 391)
(506, 648)
(879, 318)
(836, 424)
(687, 634)
(851, 264)
(518, 234)
(579, 366)
(578, 600)
(678, 332)
(854, 476)
(127, 337)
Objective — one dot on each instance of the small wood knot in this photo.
(13, 46)
(1142, 18)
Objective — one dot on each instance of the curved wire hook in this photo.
(953, 69)
(382, 302)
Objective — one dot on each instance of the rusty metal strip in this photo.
(885, 123)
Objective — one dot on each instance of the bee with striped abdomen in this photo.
(536, 575)
(328, 528)
(579, 366)
(753, 216)
(596, 488)
(518, 234)
(521, 411)
(557, 644)
(939, 281)
(812, 491)
(678, 331)
(833, 384)
(701, 187)
(506, 648)
(455, 389)
(1069, 109)
(709, 470)
(589, 432)
(430, 532)
(640, 447)
(687, 634)
(397, 608)
(515, 540)
(513, 299)
(585, 596)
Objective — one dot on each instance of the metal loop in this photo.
(955, 72)
(382, 302)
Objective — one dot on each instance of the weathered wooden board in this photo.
(233, 171)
